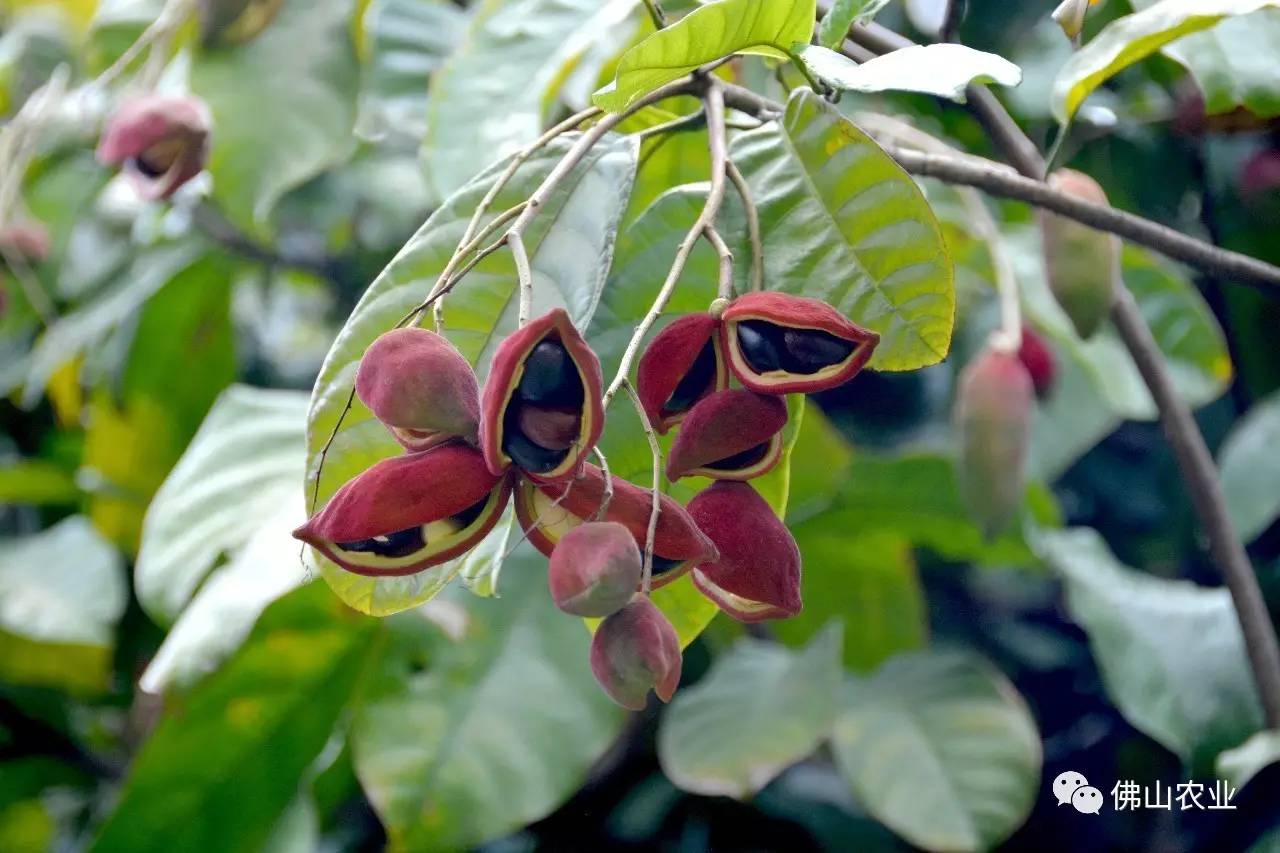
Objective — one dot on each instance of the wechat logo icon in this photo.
(1073, 789)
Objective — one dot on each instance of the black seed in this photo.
(662, 565)
(760, 343)
(809, 350)
(468, 516)
(550, 377)
(527, 455)
(696, 383)
(745, 459)
(402, 543)
(146, 168)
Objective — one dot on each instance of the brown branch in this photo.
(217, 227)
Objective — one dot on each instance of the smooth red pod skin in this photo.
(800, 312)
(1039, 361)
(404, 492)
(722, 425)
(669, 357)
(505, 375)
(993, 410)
(634, 650)
(418, 384)
(757, 576)
(181, 124)
(677, 536)
(595, 569)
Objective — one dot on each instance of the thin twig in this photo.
(444, 286)
(655, 13)
(210, 220)
(524, 274)
(607, 497)
(655, 505)
(324, 451)
(756, 273)
(725, 290)
(689, 122)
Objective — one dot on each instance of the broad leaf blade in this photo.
(945, 70)
(842, 15)
(1251, 469)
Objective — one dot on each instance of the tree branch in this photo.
(218, 228)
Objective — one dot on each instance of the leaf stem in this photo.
(655, 504)
(753, 225)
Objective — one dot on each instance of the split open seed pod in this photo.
(731, 435)
(160, 141)
(548, 511)
(635, 650)
(411, 512)
(777, 343)
(420, 387)
(682, 365)
(541, 407)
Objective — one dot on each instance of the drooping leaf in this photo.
(761, 709)
(940, 748)
(708, 33)
(497, 730)
(842, 222)
(1133, 38)
(945, 70)
(1241, 764)
(842, 15)
(1171, 653)
(1251, 468)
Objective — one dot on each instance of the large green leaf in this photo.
(497, 730)
(940, 748)
(842, 222)
(283, 106)
(1251, 468)
(842, 15)
(1171, 653)
(761, 709)
(1133, 38)
(217, 773)
(1241, 764)
(713, 31)
(945, 70)
(511, 61)
(570, 243)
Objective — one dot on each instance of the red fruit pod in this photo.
(993, 416)
(682, 365)
(595, 569)
(420, 387)
(162, 141)
(541, 372)
(635, 650)
(757, 576)
(777, 343)
(731, 435)
(548, 512)
(1039, 361)
(410, 512)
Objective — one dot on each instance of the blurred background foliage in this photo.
(170, 677)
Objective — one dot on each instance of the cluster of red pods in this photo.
(528, 434)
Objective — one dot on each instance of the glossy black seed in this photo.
(550, 377)
(745, 459)
(695, 384)
(760, 343)
(527, 455)
(402, 543)
(807, 351)
(145, 167)
(468, 516)
(662, 565)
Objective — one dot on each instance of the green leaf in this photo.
(570, 244)
(512, 60)
(704, 35)
(939, 747)
(35, 482)
(842, 15)
(759, 710)
(945, 70)
(498, 729)
(1171, 653)
(1251, 468)
(220, 772)
(842, 222)
(283, 106)
(1241, 764)
(1134, 38)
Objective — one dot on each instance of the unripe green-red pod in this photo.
(544, 387)
(1039, 361)
(757, 575)
(595, 569)
(993, 417)
(162, 141)
(682, 365)
(1082, 264)
(549, 511)
(634, 650)
(409, 512)
(777, 343)
(420, 386)
(731, 435)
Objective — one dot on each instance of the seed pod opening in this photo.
(540, 408)
(731, 435)
(161, 141)
(410, 512)
(594, 569)
(757, 576)
(777, 343)
(420, 387)
(547, 512)
(1082, 264)
(634, 650)
(682, 365)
